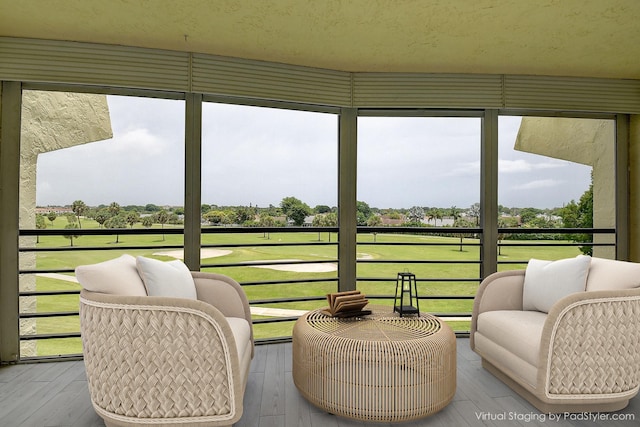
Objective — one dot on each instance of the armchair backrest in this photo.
(607, 274)
(138, 276)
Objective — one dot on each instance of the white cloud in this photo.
(467, 168)
(537, 184)
(523, 166)
(505, 167)
(136, 142)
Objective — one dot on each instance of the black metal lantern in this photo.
(406, 294)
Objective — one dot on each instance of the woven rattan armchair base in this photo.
(165, 361)
(379, 367)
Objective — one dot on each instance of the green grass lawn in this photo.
(467, 274)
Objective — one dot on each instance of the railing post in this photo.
(192, 180)
(623, 204)
(347, 205)
(489, 194)
(10, 109)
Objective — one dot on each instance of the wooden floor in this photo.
(55, 394)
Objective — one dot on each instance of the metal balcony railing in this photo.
(446, 261)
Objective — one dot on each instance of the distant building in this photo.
(58, 210)
(390, 222)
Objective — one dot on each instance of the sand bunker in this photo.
(320, 267)
(299, 268)
(204, 253)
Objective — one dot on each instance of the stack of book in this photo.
(346, 304)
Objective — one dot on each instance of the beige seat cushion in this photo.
(241, 330)
(517, 331)
(607, 275)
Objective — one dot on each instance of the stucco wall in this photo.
(50, 121)
(586, 141)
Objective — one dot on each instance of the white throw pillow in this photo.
(166, 279)
(546, 282)
(117, 276)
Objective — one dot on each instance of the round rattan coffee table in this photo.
(379, 367)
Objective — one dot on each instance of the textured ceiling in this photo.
(596, 38)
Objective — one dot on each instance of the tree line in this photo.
(293, 211)
(112, 216)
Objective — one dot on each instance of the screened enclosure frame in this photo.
(29, 64)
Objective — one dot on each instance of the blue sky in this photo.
(258, 156)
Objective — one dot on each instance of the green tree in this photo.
(330, 220)
(150, 207)
(51, 216)
(439, 215)
(102, 216)
(454, 212)
(116, 222)
(295, 210)
(374, 221)
(41, 224)
(132, 217)
(318, 221)
(474, 212)
(245, 214)
(114, 209)
(161, 218)
(432, 214)
(463, 223)
(79, 208)
(527, 215)
(71, 217)
(502, 223)
(363, 212)
(266, 220)
(174, 218)
(273, 210)
(288, 202)
(147, 221)
(298, 213)
(580, 215)
(71, 235)
(415, 214)
(216, 217)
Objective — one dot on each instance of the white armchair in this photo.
(158, 360)
(583, 355)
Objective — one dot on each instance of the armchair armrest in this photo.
(222, 292)
(160, 357)
(498, 291)
(590, 346)
(225, 294)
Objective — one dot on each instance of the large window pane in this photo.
(417, 161)
(420, 172)
(271, 168)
